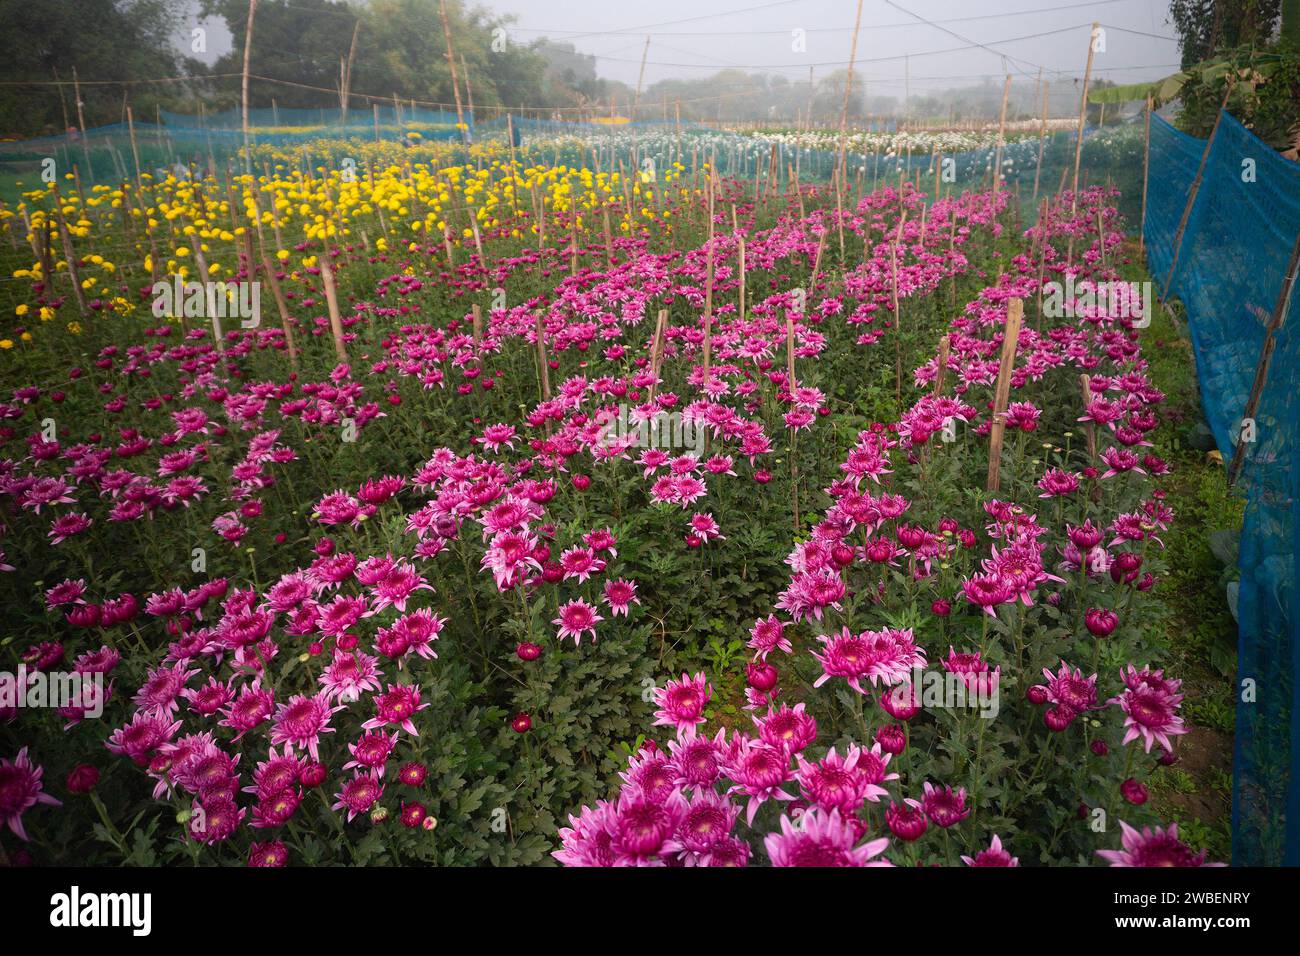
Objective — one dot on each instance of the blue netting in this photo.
(288, 120)
(104, 155)
(313, 137)
(1230, 269)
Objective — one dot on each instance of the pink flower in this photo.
(987, 591)
(349, 675)
(791, 728)
(881, 656)
(64, 593)
(1154, 847)
(1056, 483)
(703, 526)
(906, 820)
(759, 770)
(359, 794)
(823, 839)
(644, 830)
(588, 840)
(620, 595)
(580, 563)
(945, 807)
(707, 823)
(300, 722)
(1070, 690)
(834, 782)
(495, 436)
(396, 706)
(681, 703)
(767, 635)
(20, 790)
(68, 526)
(993, 856)
(576, 618)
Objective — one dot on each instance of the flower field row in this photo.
(412, 570)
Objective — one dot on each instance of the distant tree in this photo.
(104, 40)
(302, 41)
(1207, 27)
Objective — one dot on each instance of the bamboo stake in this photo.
(898, 325)
(1002, 394)
(656, 352)
(447, 248)
(69, 254)
(1002, 135)
(248, 50)
(476, 312)
(1090, 430)
(1083, 114)
(848, 87)
(347, 74)
(542, 363)
(135, 150)
(332, 301)
(269, 269)
(789, 354)
(451, 63)
(708, 288)
(942, 368)
(1146, 171)
(1042, 133)
(1192, 192)
(1265, 358)
(81, 123)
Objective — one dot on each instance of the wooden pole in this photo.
(347, 74)
(135, 150)
(1002, 393)
(944, 346)
(848, 88)
(451, 63)
(1266, 357)
(542, 364)
(640, 78)
(268, 268)
(248, 51)
(1002, 134)
(1146, 171)
(69, 254)
(1090, 429)
(469, 89)
(1083, 114)
(1042, 134)
(657, 352)
(81, 124)
(332, 301)
(1191, 193)
(708, 288)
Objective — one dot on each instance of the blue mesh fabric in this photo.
(1229, 273)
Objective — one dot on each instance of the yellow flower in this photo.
(21, 310)
(6, 343)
